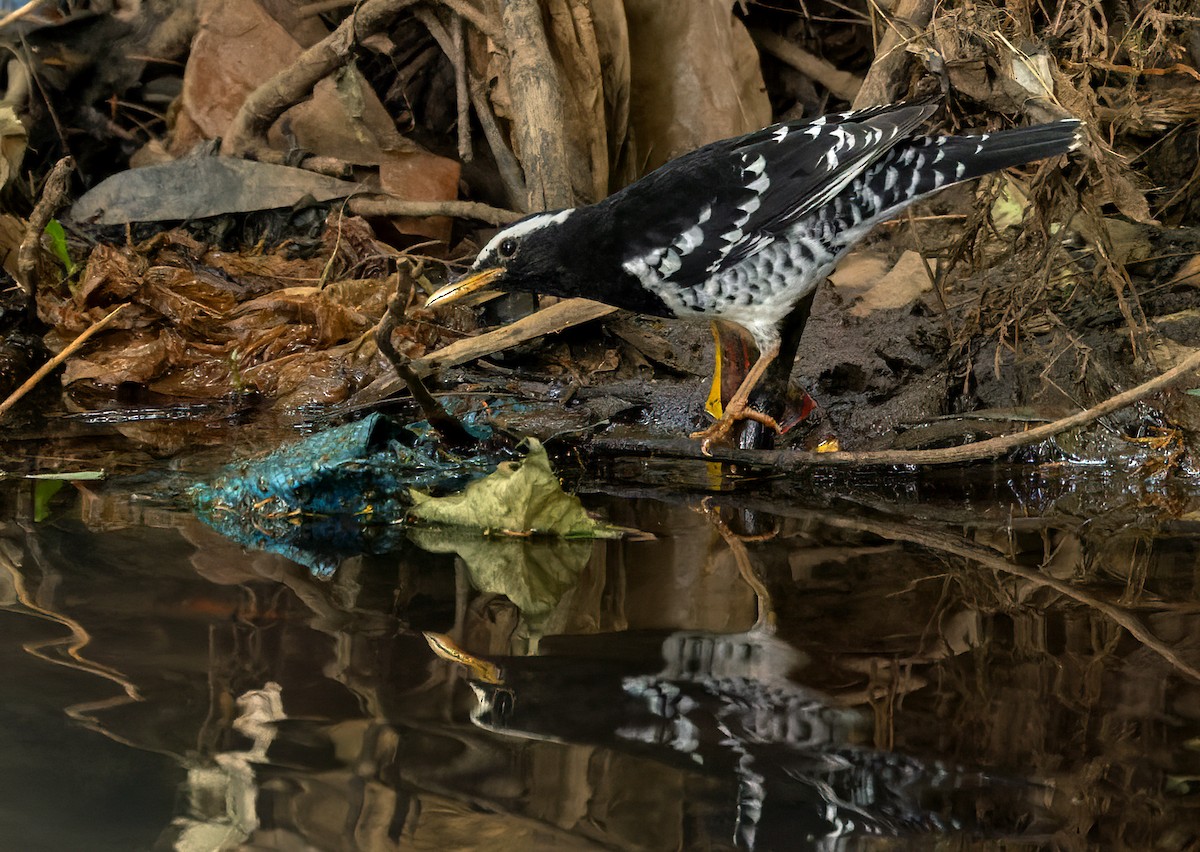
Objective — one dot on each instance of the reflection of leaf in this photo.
(43, 491)
(532, 573)
(522, 498)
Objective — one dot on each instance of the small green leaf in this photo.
(43, 491)
(71, 476)
(58, 245)
(1193, 391)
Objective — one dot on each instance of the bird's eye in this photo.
(507, 247)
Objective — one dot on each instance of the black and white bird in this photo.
(744, 229)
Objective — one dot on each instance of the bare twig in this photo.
(842, 84)
(883, 80)
(386, 206)
(558, 317)
(506, 163)
(54, 194)
(462, 91)
(247, 133)
(49, 366)
(18, 14)
(446, 424)
(791, 460)
(479, 20)
(452, 44)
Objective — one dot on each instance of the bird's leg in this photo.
(738, 406)
(771, 394)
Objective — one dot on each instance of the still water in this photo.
(900, 662)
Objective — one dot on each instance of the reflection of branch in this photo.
(71, 645)
(765, 621)
(961, 547)
(792, 460)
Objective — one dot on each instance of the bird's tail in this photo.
(926, 164)
(990, 152)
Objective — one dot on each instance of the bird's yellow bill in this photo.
(461, 289)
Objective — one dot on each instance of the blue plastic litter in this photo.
(335, 494)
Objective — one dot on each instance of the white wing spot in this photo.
(761, 163)
(670, 264)
(960, 169)
(759, 185)
(780, 134)
(813, 131)
(705, 214)
(689, 240)
(978, 148)
(750, 206)
(891, 176)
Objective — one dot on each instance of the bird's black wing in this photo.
(707, 210)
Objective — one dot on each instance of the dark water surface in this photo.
(965, 660)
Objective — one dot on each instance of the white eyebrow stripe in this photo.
(528, 226)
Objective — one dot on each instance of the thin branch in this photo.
(49, 366)
(247, 133)
(506, 163)
(479, 20)
(462, 91)
(447, 426)
(842, 84)
(558, 317)
(886, 74)
(387, 206)
(792, 460)
(18, 14)
(54, 195)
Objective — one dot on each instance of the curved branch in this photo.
(247, 133)
(791, 460)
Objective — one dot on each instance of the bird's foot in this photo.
(720, 430)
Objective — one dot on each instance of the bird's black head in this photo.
(525, 256)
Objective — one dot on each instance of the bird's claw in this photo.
(720, 430)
